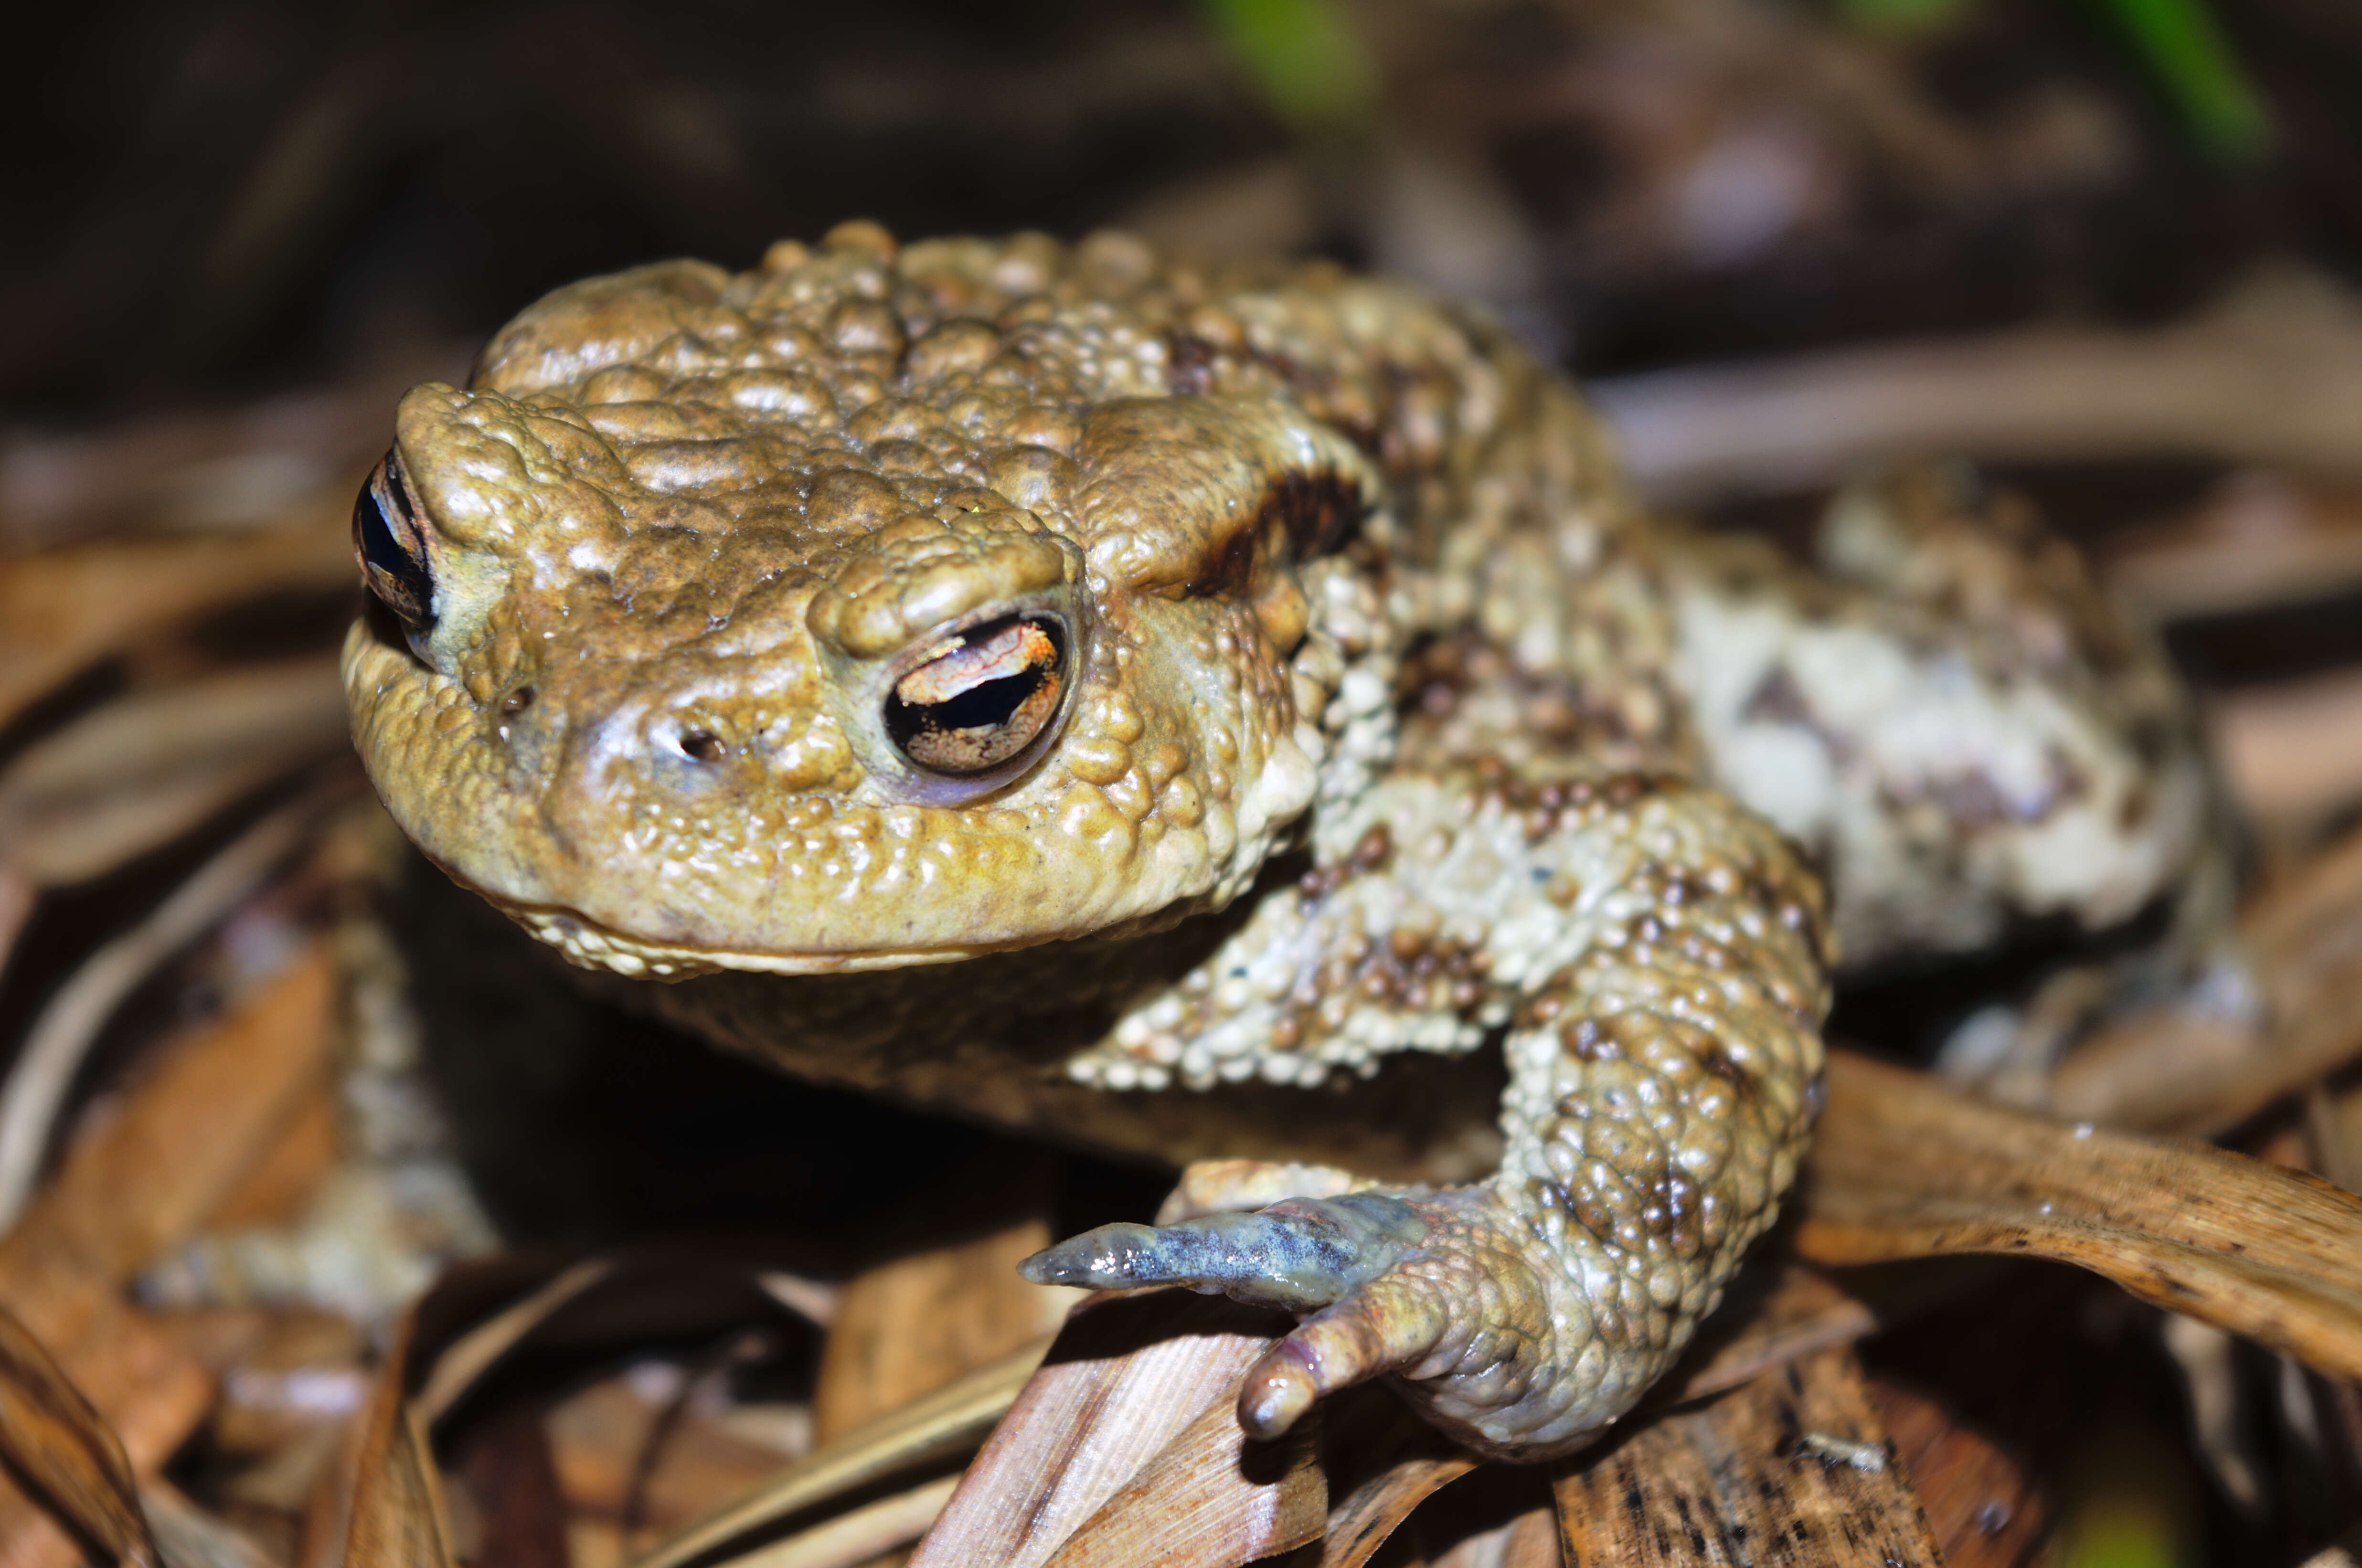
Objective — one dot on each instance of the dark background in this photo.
(229, 196)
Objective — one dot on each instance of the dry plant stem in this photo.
(1903, 1167)
(60, 1037)
(2271, 374)
(859, 1536)
(1799, 1459)
(56, 1443)
(472, 1355)
(931, 1428)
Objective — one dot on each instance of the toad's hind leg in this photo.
(1949, 715)
(1651, 957)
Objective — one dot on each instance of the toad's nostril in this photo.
(704, 745)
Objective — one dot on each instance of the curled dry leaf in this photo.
(1799, 1458)
(1376, 1509)
(62, 1449)
(396, 1517)
(1127, 1376)
(1903, 1167)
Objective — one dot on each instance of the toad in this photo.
(1236, 716)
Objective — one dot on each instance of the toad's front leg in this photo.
(1652, 958)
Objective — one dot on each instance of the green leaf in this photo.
(2184, 47)
(1310, 65)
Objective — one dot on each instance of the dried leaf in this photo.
(1376, 1509)
(154, 1172)
(2260, 538)
(1776, 1310)
(1128, 1374)
(61, 610)
(911, 1326)
(2290, 751)
(1799, 1458)
(856, 1536)
(55, 1442)
(60, 1036)
(151, 1392)
(1210, 1498)
(398, 1520)
(2188, 1072)
(622, 1453)
(16, 896)
(508, 1471)
(928, 1429)
(1529, 1541)
(143, 770)
(142, 1184)
(1903, 1167)
(1986, 1509)
(460, 1365)
(193, 1538)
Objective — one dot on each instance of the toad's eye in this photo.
(982, 696)
(391, 546)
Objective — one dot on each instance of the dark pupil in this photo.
(986, 706)
(395, 576)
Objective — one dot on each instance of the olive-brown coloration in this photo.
(1242, 711)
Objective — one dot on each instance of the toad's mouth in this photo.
(588, 945)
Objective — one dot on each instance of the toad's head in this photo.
(873, 608)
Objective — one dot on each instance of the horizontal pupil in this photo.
(986, 695)
(989, 703)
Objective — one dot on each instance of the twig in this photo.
(2271, 374)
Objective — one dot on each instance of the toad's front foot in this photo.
(1434, 1288)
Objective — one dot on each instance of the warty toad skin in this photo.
(1233, 715)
